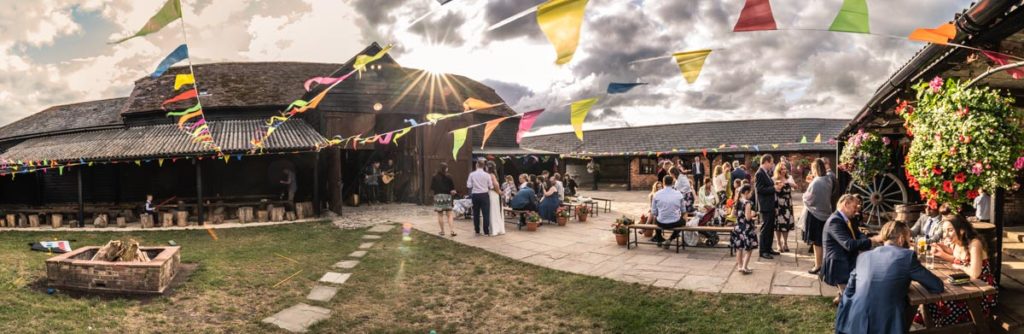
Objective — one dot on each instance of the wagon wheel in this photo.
(880, 197)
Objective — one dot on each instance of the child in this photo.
(744, 236)
(149, 205)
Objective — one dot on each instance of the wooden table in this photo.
(972, 293)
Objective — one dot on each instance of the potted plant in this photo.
(532, 221)
(562, 215)
(647, 232)
(968, 139)
(866, 156)
(621, 231)
(581, 213)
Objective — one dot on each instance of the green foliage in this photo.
(865, 156)
(966, 139)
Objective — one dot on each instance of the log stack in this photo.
(121, 251)
(56, 220)
(262, 216)
(33, 220)
(181, 217)
(276, 214)
(166, 219)
(11, 220)
(100, 221)
(303, 210)
(245, 214)
(147, 220)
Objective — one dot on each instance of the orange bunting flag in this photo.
(474, 104)
(691, 63)
(756, 15)
(187, 95)
(561, 20)
(941, 35)
(186, 117)
(489, 129)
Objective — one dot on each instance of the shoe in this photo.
(453, 234)
(774, 253)
(785, 250)
(814, 271)
(810, 250)
(767, 256)
(441, 233)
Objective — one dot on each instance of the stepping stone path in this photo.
(298, 318)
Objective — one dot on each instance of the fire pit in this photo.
(75, 270)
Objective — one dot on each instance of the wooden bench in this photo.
(1006, 320)
(607, 203)
(679, 244)
(508, 212)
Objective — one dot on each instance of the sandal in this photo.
(453, 234)
(441, 233)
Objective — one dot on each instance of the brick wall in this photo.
(74, 270)
(1013, 209)
(637, 180)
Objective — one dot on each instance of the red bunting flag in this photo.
(526, 123)
(187, 95)
(756, 15)
(1001, 59)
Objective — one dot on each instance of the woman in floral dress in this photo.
(966, 250)
(783, 207)
(743, 237)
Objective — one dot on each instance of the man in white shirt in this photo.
(479, 184)
(929, 226)
(983, 207)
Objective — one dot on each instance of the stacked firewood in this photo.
(121, 251)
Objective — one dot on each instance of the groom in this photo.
(479, 184)
(766, 202)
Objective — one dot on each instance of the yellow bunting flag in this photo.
(363, 60)
(561, 21)
(579, 111)
(183, 79)
(474, 104)
(401, 133)
(138, 163)
(489, 129)
(160, 162)
(458, 141)
(940, 35)
(691, 62)
(817, 139)
(775, 145)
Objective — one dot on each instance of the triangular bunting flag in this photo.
(362, 60)
(401, 133)
(458, 140)
(940, 35)
(186, 95)
(817, 140)
(180, 53)
(803, 140)
(619, 88)
(1001, 59)
(756, 15)
(474, 104)
(775, 145)
(489, 128)
(168, 13)
(526, 123)
(691, 62)
(183, 79)
(160, 162)
(578, 112)
(561, 20)
(852, 17)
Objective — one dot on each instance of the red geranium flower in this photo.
(947, 186)
(963, 111)
(937, 170)
(933, 204)
(960, 177)
(965, 139)
(971, 194)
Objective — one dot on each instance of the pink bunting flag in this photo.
(526, 123)
(1002, 60)
(756, 15)
(325, 81)
(385, 138)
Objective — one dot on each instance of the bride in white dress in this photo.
(497, 217)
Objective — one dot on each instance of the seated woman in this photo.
(549, 205)
(966, 250)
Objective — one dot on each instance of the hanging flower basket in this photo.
(966, 140)
(866, 156)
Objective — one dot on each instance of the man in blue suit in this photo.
(875, 300)
(843, 240)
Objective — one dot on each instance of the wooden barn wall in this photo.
(503, 136)
(437, 148)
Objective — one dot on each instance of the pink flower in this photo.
(963, 111)
(886, 141)
(936, 84)
(977, 169)
(965, 139)
(1019, 164)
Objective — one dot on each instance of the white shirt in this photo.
(479, 182)
(983, 205)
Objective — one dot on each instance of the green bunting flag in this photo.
(168, 13)
(803, 140)
(852, 17)
(459, 140)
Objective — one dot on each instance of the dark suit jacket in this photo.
(765, 187)
(841, 249)
(876, 294)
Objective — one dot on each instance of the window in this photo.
(648, 165)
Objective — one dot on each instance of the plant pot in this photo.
(582, 217)
(621, 239)
(561, 220)
(532, 226)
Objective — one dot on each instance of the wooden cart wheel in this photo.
(880, 198)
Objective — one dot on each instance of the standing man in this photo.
(698, 172)
(388, 178)
(766, 203)
(594, 169)
(372, 182)
(290, 184)
(479, 184)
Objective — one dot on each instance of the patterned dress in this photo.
(956, 312)
(784, 209)
(744, 235)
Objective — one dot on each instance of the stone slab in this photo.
(759, 281)
(701, 283)
(335, 278)
(371, 237)
(366, 245)
(322, 293)
(361, 253)
(298, 318)
(381, 228)
(347, 264)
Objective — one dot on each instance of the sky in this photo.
(55, 52)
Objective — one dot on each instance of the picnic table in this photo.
(573, 202)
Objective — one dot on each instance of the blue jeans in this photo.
(481, 205)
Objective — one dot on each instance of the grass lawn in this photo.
(400, 286)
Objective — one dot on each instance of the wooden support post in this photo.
(316, 184)
(166, 219)
(245, 214)
(998, 219)
(181, 217)
(199, 193)
(81, 200)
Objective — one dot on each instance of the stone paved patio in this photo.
(589, 248)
